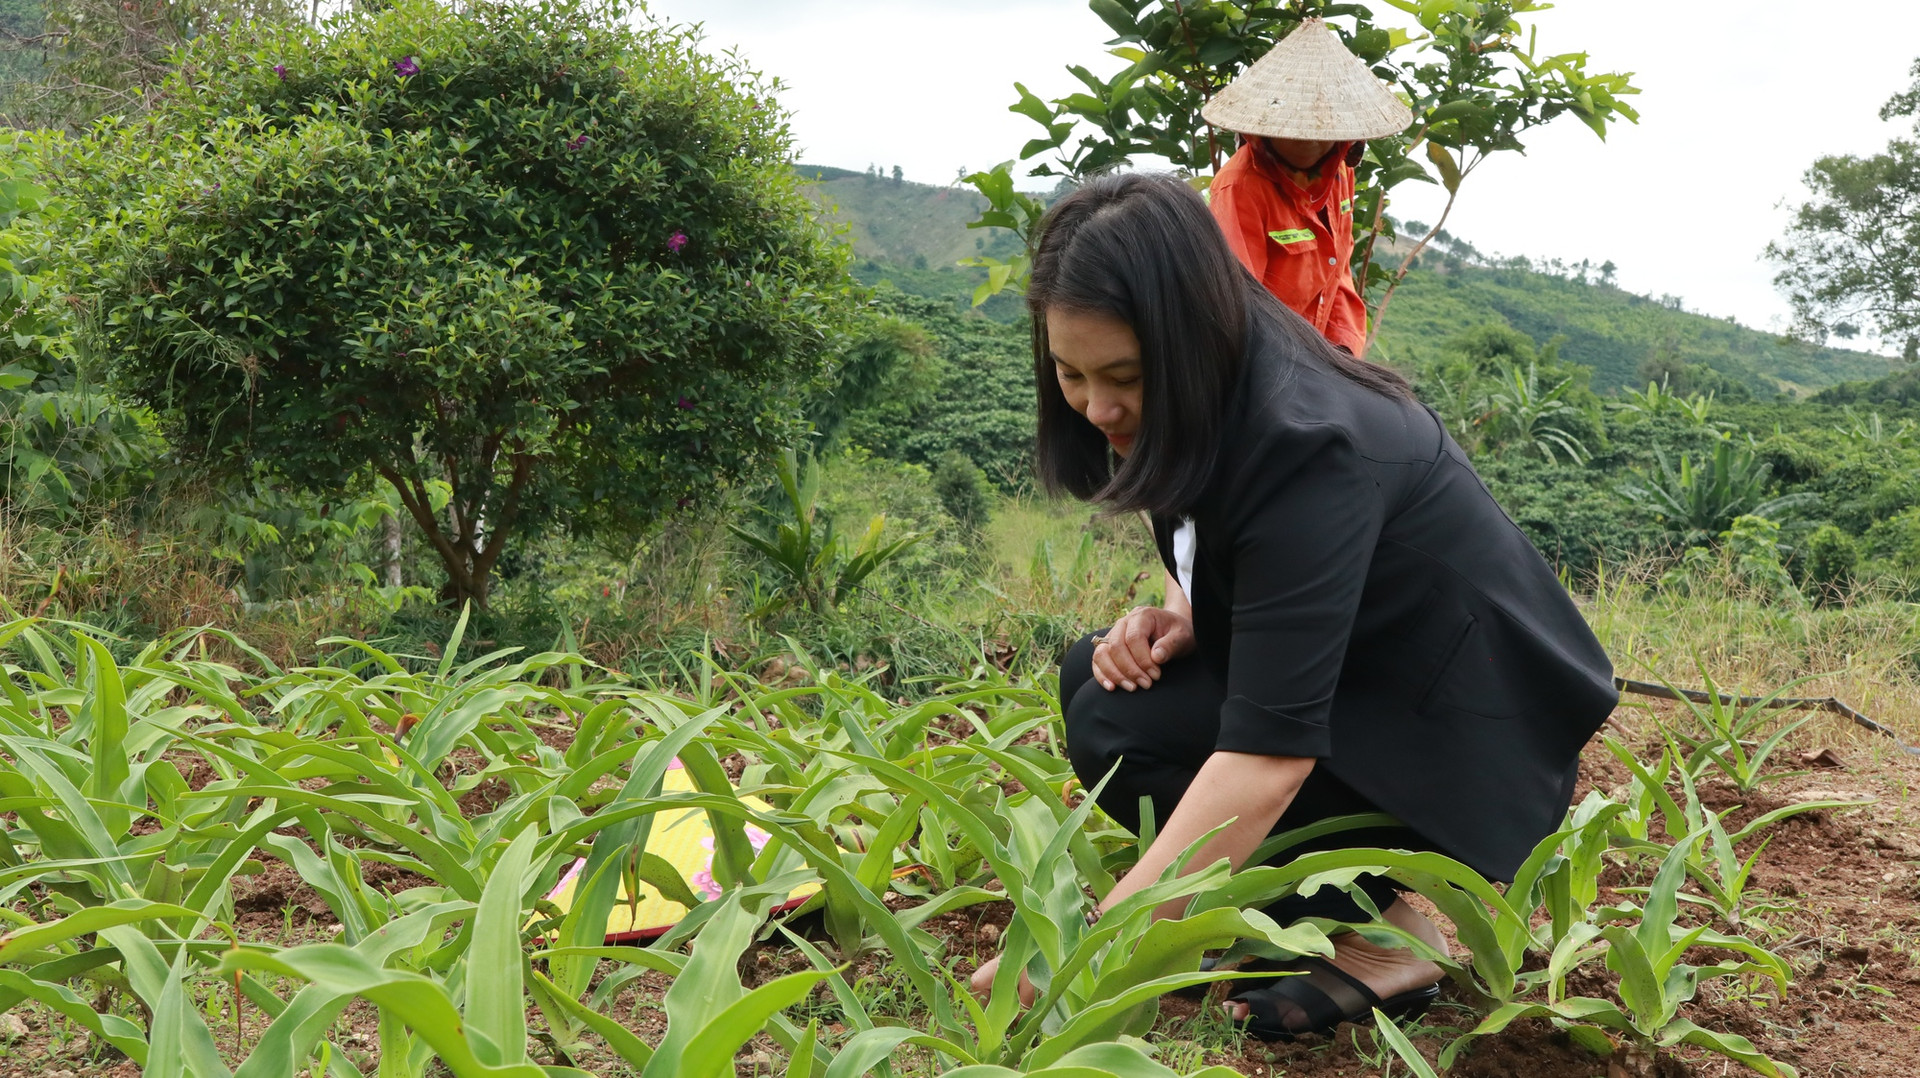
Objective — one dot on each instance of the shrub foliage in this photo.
(525, 263)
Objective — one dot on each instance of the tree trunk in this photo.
(393, 550)
(458, 592)
(468, 559)
(466, 579)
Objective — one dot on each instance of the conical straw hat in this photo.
(1309, 86)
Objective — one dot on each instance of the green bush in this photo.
(964, 490)
(1753, 545)
(889, 363)
(553, 261)
(1893, 548)
(856, 487)
(1828, 558)
(1571, 513)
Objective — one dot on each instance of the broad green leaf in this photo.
(496, 995)
(85, 922)
(419, 1002)
(110, 1028)
(1449, 169)
(1731, 1045)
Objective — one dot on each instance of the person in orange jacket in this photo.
(1285, 199)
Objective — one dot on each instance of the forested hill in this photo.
(912, 234)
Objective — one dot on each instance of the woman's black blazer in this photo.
(1365, 601)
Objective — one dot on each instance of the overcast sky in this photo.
(1739, 97)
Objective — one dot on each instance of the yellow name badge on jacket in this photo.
(1288, 236)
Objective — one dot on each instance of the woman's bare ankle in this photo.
(1391, 970)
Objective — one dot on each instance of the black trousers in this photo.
(1159, 737)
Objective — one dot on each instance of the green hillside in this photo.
(1610, 330)
(911, 235)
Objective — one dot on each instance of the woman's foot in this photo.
(1388, 972)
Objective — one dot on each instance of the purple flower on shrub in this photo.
(406, 66)
(576, 142)
(677, 242)
(684, 404)
(280, 70)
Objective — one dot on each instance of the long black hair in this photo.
(1145, 249)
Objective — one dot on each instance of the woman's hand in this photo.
(982, 983)
(1133, 651)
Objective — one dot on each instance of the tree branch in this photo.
(1406, 263)
(509, 512)
(420, 507)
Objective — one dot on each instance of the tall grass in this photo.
(1863, 648)
(1010, 596)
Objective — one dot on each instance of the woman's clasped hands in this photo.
(1131, 654)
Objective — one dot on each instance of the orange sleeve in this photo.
(1241, 225)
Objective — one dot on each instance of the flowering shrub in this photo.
(550, 259)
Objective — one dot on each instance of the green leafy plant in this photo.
(1385, 1029)
(1562, 876)
(1470, 71)
(816, 570)
(1496, 933)
(1524, 411)
(483, 777)
(1726, 731)
(1092, 1061)
(1702, 500)
(1656, 399)
(1655, 982)
(1829, 558)
(1873, 429)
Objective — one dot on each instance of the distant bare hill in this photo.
(908, 224)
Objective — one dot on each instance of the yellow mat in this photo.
(684, 838)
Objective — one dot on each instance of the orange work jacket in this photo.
(1295, 236)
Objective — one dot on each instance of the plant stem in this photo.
(1380, 312)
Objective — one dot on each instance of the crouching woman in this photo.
(1352, 624)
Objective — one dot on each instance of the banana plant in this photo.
(1525, 411)
(1701, 499)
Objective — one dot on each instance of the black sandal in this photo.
(1319, 998)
